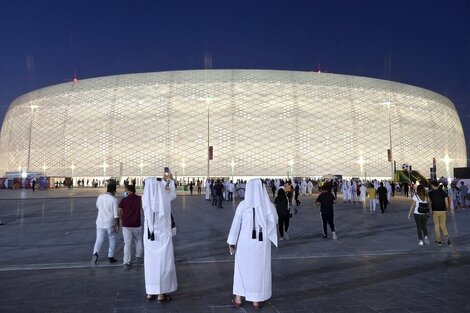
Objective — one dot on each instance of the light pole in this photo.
(447, 162)
(141, 165)
(104, 169)
(72, 167)
(361, 165)
(32, 106)
(390, 155)
(232, 165)
(209, 152)
(291, 165)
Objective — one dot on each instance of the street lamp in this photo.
(361, 165)
(209, 152)
(72, 167)
(141, 165)
(32, 106)
(183, 166)
(291, 164)
(447, 161)
(104, 169)
(44, 169)
(232, 165)
(388, 103)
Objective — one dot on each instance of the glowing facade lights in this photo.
(259, 119)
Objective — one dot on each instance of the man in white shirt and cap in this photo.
(252, 232)
(107, 223)
(159, 260)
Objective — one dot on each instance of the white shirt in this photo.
(107, 206)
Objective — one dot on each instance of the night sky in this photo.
(424, 43)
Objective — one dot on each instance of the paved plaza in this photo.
(375, 265)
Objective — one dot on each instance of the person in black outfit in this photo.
(382, 192)
(296, 194)
(406, 189)
(282, 207)
(326, 200)
(440, 205)
(219, 192)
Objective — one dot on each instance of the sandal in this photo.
(165, 298)
(257, 306)
(235, 304)
(152, 297)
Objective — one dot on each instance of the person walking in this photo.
(282, 208)
(440, 206)
(421, 219)
(251, 234)
(372, 196)
(383, 194)
(159, 259)
(219, 192)
(296, 194)
(129, 211)
(107, 223)
(326, 200)
(463, 194)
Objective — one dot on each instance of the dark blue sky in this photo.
(425, 43)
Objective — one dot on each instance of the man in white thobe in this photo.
(208, 189)
(303, 187)
(253, 229)
(345, 189)
(159, 260)
(309, 187)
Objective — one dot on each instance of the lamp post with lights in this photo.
(390, 151)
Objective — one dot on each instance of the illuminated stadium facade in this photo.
(259, 122)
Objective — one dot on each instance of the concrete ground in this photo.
(375, 265)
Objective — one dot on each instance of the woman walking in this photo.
(420, 218)
(282, 207)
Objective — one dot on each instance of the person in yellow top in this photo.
(372, 195)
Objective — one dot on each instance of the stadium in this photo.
(263, 123)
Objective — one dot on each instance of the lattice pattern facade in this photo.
(260, 122)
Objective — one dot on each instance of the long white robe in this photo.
(208, 190)
(252, 275)
(159, 260)
(345, 189)
(303, 187)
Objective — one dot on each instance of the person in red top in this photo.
(130, 209)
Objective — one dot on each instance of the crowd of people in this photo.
(258, 223)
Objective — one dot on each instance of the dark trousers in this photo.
(421, 228)
(297, 202)
(283, 225)
(383, 204)
(220, 198)
(328, 218)
(214, 200)
(230, 196)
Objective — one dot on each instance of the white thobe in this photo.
(252, 274)
(208, 190)
(303, 188)
(159, 260)
(363, 191)
(346, 192)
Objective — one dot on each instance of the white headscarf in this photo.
(257, 197)
(153, 200)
